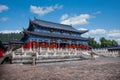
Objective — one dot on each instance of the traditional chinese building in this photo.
(47, 34)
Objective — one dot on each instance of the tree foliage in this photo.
(10, 36)
(107, 43)
(94, 44)
(104, 43)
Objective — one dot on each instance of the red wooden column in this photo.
(22, 46)
(37, 44)
(77, 46)
(30, 44)
(58, 45)
(86, 47)
(73, 46)
(33, 44)
(53, 45)
(43, 44)
(11, 46)
(1, 53)
(67, 46)
(81, 46)
(47, 45)
(50, 45)
(70, 45)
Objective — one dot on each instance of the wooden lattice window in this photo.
(64, 40)
(51, 30)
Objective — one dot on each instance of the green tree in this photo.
(93, 43)
(107, 43)
(114, 43)
(10, 36)
(103, 42)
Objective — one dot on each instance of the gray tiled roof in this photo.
(55, 35)
(56, 26)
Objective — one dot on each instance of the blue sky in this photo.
(100, 17)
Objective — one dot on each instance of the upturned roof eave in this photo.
(55, 35)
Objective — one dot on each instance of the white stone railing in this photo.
(43, 52)
(106, 53)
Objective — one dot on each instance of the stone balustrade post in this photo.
(22, 49)
(13, 54)
(46, 54)
(54, 53)
(24, 54)
(48, 50)
(40, 49)
(37, 55)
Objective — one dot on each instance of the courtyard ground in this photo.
(99, 69)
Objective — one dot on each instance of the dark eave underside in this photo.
(114, 48)
(52, 25)
(2, 46)
(16, 42)
(55, 35)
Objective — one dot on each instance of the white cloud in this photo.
(44, 10)
(114, 34)
(97, 12)
(3, 19)
(76, 20)
(118, 40)
(96, 32)
(3, 8)
(64, 16)
(82, 29)
(10, 31)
